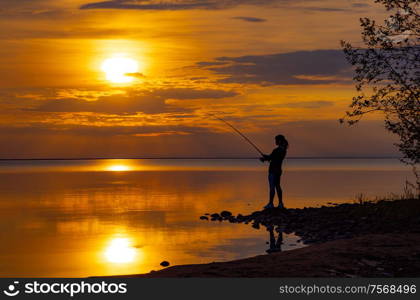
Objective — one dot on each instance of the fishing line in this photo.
(238, 132)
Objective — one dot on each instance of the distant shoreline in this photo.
(195, 158)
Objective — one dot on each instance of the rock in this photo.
(215, 216)
(164, 263)
(226, 214)
(371, 263)
(204, 218)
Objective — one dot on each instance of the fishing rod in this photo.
(238, 132)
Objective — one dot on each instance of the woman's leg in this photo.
(279, 191)
(272, 183)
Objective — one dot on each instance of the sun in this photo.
(116, 69)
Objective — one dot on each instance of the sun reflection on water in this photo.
(120, 251)
(118, 168)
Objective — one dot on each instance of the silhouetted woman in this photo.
(275, 169)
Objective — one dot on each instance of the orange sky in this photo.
(268, 66)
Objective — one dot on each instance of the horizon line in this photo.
(204, 158)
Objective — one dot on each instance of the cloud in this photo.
(301, 67)
(210, 63)
(306, 104)
(188, 94)
(324, 9)
(68, 33)
(211, 5)
(250, 19)
(136, 75)
(175, 4)
(163, 133)
(121, 4)
(139, 101)
(39, 128)
(360, 5)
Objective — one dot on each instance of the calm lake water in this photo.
(107, 217)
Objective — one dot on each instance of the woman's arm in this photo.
(265, 157)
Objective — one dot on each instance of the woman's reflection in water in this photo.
(275, 244)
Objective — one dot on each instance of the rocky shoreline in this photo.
(337, 221)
